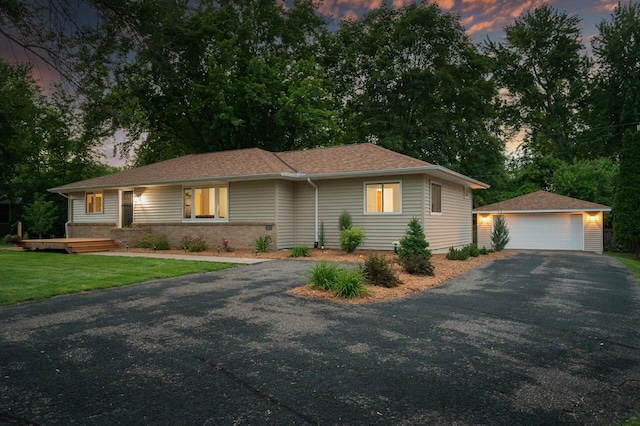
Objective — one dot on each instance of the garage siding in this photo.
(593, 232)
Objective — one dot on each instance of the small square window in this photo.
(93, 202)
(382, 197)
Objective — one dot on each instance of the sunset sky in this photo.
(481, 18)
(488, 17)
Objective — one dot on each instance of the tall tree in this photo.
(41, 143)
(543, 70)
(199, 76)
(626, 204)
(616, 99)
(412, 81)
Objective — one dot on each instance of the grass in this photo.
(39, 275)
(630, 261)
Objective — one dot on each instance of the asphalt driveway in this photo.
(538, 338)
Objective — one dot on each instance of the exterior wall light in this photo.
(485, 219)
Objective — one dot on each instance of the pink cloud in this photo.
(606, 5)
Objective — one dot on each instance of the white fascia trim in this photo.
(472, 183)
(212, 180)
(539, 211)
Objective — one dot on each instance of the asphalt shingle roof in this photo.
(541, 201)
(255, 162)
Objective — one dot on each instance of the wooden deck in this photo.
(71, 245)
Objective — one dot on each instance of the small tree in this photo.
(40, 215)
(414, 242)
(413, 253)
(500, 234)
(345, 220)
(626, 214)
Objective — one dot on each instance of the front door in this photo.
(127, 208)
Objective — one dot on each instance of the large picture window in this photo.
(93, 202)
(206, 203)
(383, 197)
(436, 198)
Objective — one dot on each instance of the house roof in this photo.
(541, 201)
(255, 163)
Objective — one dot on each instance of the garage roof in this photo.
(542, 201)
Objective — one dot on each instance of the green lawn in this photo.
(38, 275)
(630, 261)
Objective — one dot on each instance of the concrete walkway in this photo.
(240, 260)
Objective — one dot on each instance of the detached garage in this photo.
(545, 221)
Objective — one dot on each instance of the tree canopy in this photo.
(177, 77)
(412, 81)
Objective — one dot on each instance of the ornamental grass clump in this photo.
(323, 275)
(413, 253)
(343, 283)
(263, 243)
(300, 251)
(349, 283)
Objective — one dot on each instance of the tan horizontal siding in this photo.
(453, 227)
(253, 201)
(335, 196)
(284, 215)
(593, 233)
(158, 204)
(110, 208)
(304, 214)
(484, 230)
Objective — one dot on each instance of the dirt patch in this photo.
(444, 270)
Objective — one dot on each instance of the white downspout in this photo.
(69, 214)
(315, 242)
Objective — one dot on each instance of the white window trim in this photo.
(193, 219)
(378, 182)
(94, 194)
(431, 183)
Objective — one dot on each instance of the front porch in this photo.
(71, 245)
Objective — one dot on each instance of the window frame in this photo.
(431, 210)
(216, 206)
(93, 194)
(383, 182)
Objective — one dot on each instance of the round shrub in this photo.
(377, 271)
(146, 241)
(351, 238)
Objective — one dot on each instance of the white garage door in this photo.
(545, 231)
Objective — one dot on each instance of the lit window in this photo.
(382, 197)
(206, 203)
(436, 198)
(93, 202)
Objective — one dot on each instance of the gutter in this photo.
(69, 214)
(315, 242)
